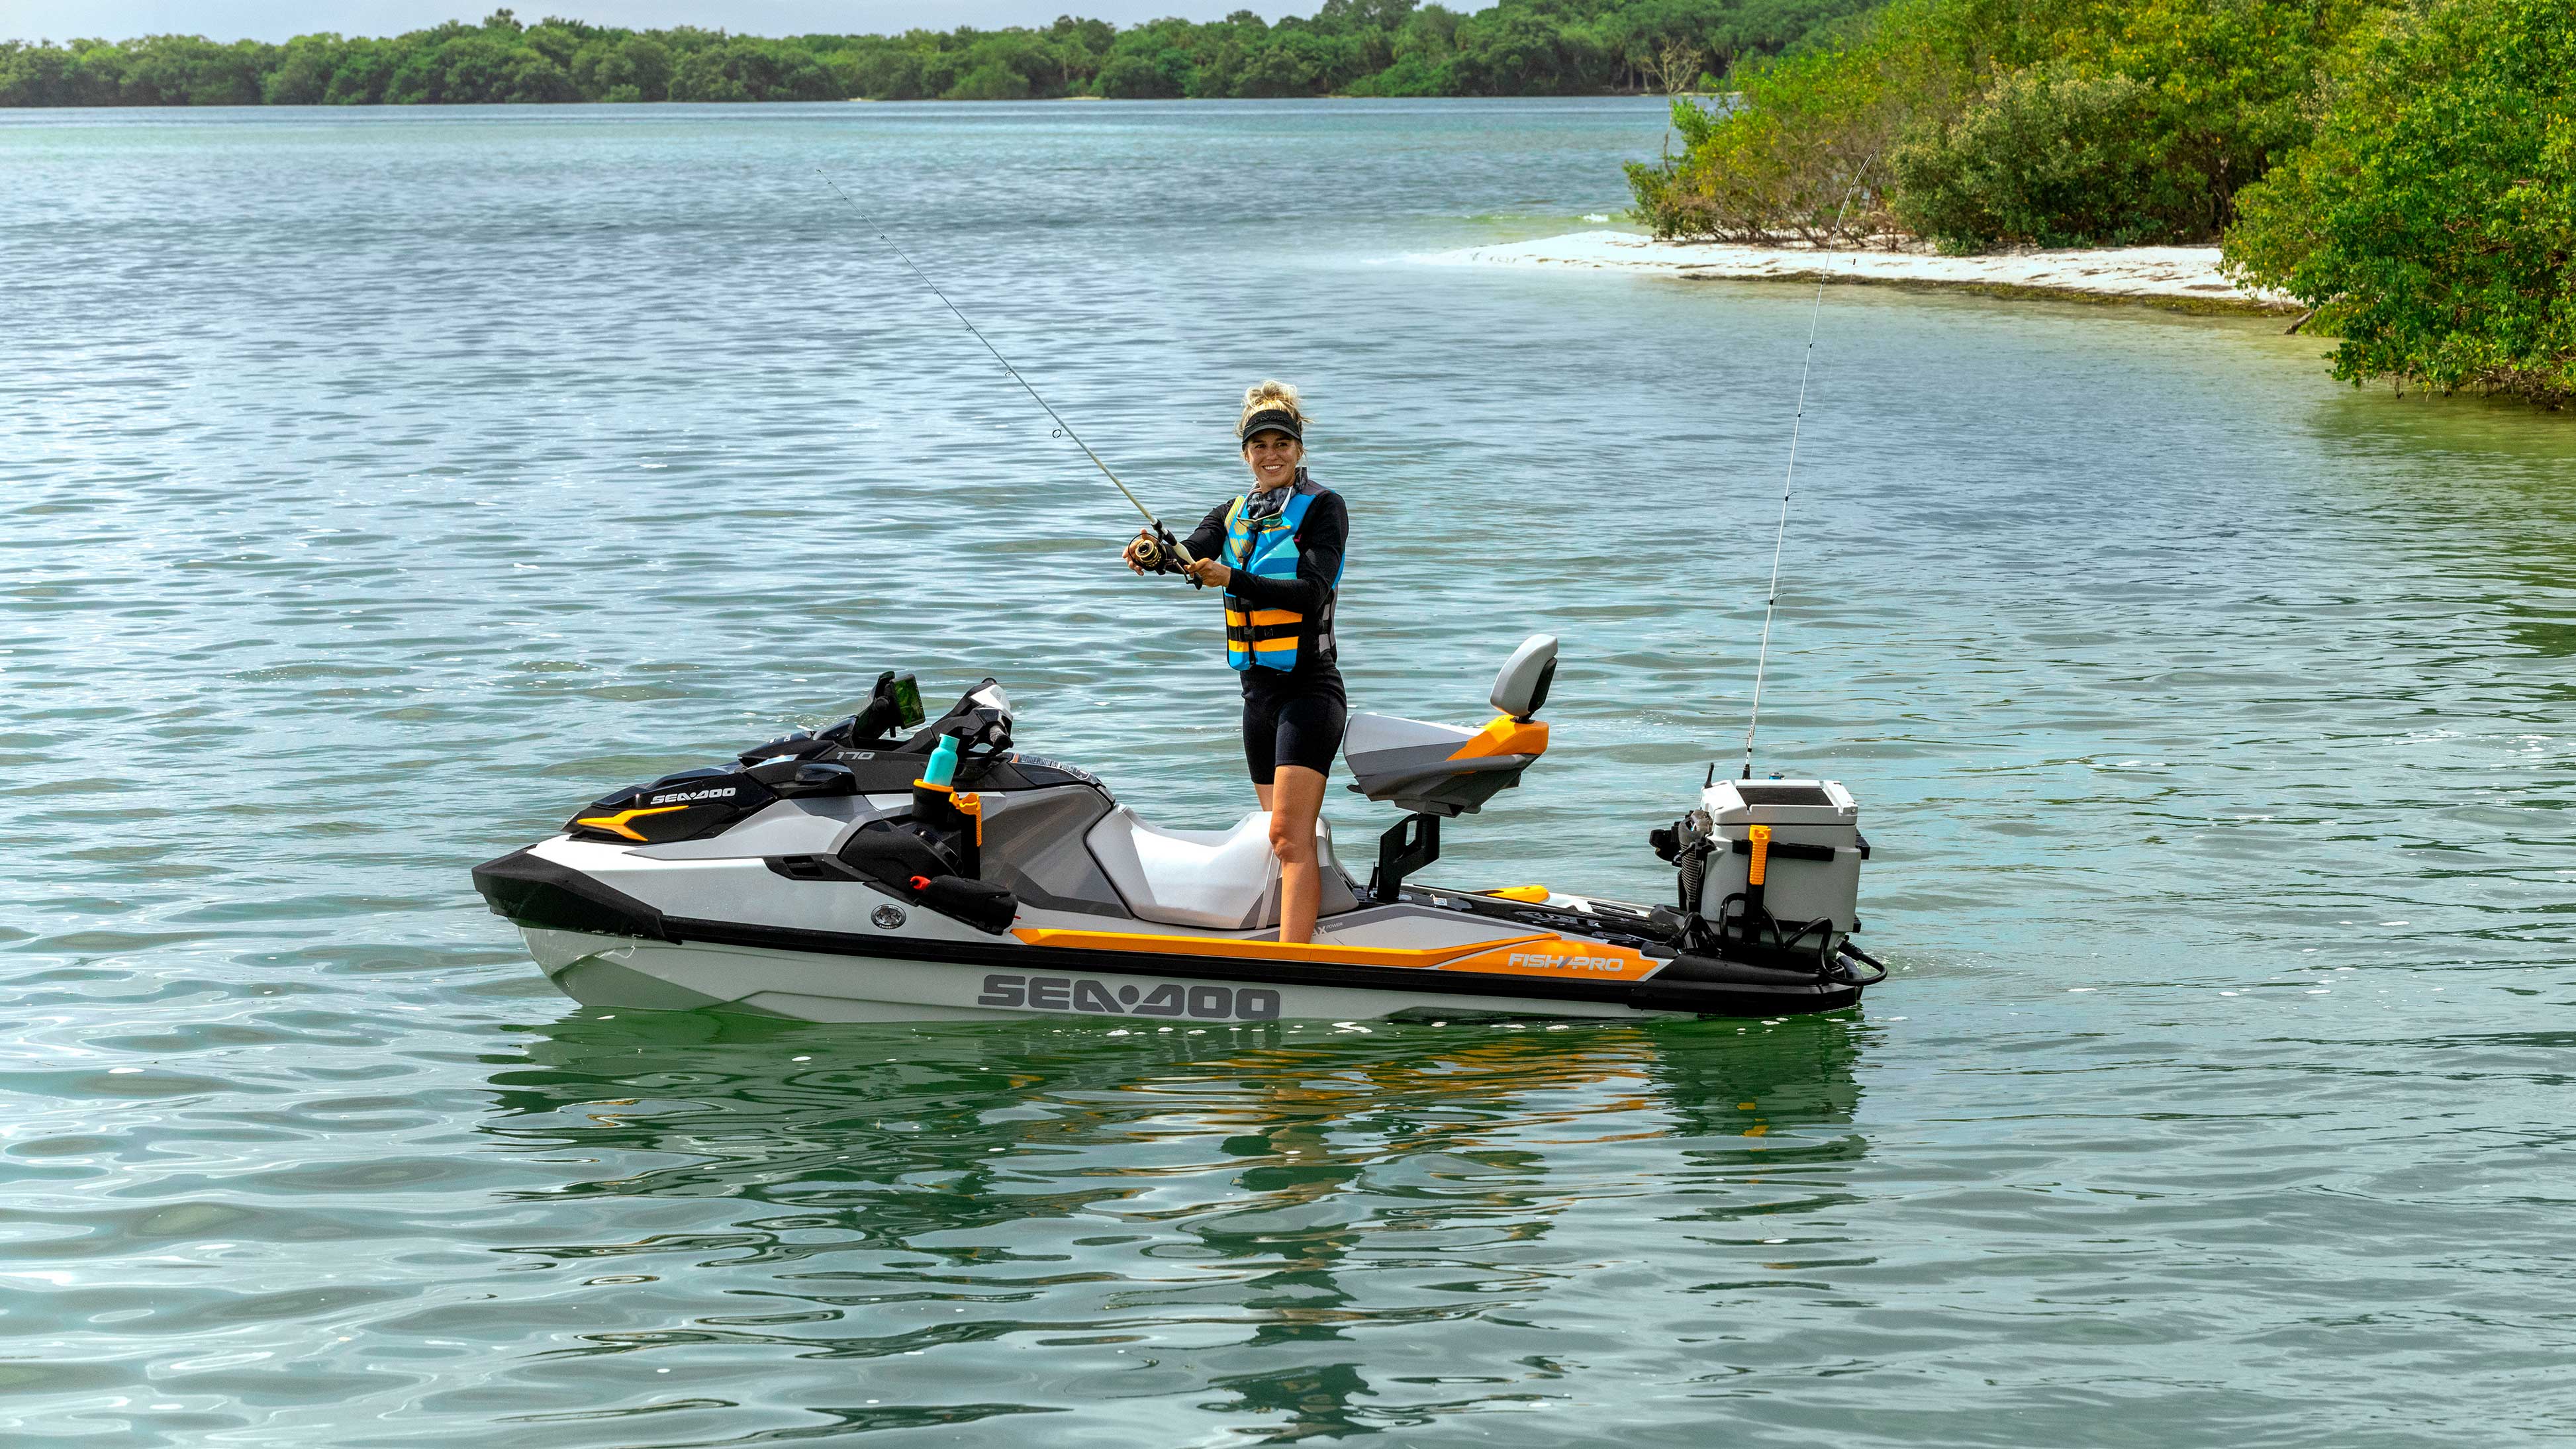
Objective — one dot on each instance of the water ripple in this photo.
(2208, 719)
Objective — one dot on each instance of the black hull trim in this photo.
(533, 891)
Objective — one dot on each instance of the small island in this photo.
(2400, 171)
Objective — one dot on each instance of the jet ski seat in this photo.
(1226, 879)
(1446, 770)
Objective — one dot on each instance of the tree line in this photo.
(2405, 168)
(1348, 47)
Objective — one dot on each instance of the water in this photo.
(380, 486)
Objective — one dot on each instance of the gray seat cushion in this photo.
(1224, 879)
(1413, 763)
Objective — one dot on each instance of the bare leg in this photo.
(1294, 803)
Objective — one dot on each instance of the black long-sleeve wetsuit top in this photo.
(1322, 535)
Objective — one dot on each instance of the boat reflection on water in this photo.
(1220, 1217)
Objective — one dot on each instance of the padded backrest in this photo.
(1521, 687)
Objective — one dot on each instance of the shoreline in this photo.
(2177, 278)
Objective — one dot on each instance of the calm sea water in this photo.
(380, 486)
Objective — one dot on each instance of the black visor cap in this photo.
(1272, 420)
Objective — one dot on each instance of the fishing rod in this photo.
(1157, 559)
(1772, 601)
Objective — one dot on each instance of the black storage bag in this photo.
(981, 904)
(885, 851)
(894, 854)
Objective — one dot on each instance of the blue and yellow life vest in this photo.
(1267, 548)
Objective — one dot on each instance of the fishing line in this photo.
(1772, 602)
(1162, 534)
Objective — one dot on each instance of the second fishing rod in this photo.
(1161, 553)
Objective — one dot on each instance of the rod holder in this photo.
(1407, 846)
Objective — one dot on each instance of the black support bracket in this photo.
(1407, 846)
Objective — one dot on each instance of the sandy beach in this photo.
(2184, 277)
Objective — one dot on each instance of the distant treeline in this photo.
(1349, 47)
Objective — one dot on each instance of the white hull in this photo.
(620, 971)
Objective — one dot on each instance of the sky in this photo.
(280, 19)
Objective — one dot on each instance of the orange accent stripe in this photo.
(1273, 646)
(1237, 620)
(1277, 616)
(1135, 944)
(1505, 736)
(617, 822)
(1577, 960)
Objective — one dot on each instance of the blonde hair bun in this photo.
(1271, 395)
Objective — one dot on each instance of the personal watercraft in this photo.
(861, 873)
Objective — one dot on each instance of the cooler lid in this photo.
(1780, 802)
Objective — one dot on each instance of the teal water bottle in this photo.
(943, 763)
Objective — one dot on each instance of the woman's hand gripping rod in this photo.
(1155, 550)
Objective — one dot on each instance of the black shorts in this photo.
(1284, 728)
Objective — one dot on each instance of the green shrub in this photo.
(364, 72)
(889, 73)
(2232, 88)
(1274, 70)
(1993, 122)
(1801, 150)
(623, 68)
(2045, 159)
(746, 69)
(991, 81)
(303, 74)
(1518, 51)
(2432, 220)
(188, 70)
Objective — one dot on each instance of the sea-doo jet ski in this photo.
(861, 873)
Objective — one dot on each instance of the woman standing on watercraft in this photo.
(1276, 552)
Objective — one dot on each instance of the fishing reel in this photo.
(1157, 552)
